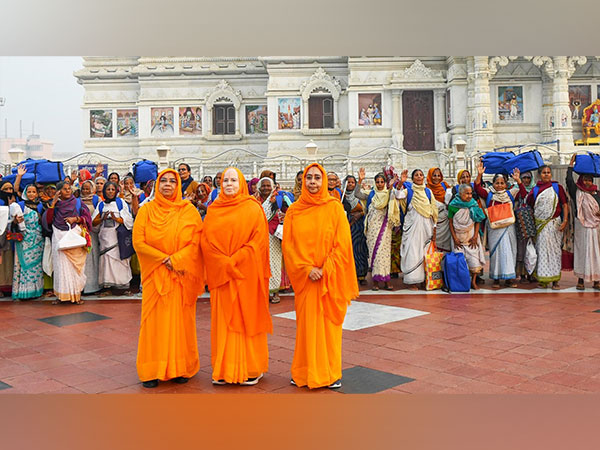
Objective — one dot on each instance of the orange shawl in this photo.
(439, 192)
(316, 233)
(235, 245)
(169, 227)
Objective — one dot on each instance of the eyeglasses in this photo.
(183, 169)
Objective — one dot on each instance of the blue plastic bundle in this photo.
(494, 161)
(587, 164)
(525, 162)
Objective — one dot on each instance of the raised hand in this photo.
(404, 176)
(361, 173)
(572, 162)
(480, 168)
(517, 175)
(21, 170)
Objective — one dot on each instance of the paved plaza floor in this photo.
(509, 341)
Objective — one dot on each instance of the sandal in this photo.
(581, 287)
(79, 302)
(275, 299)
(104, 294)
(375, 288)
(56, 302)
(596, 285)
(388, 288)
(510, 284)
(555, 287)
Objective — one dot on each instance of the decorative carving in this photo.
(553, 70)
(221, 91)
(418, 71)
(573, 62)
(321, 79)
(496, 61)
(546, 63)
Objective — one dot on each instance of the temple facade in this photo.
(272, 106)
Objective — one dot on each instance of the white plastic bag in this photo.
(279, 231)
(72, 239)
(530, 257)
(47, 265)
(4, 213)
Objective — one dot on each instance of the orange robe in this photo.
(317, 234)
(168, 346)
(235, 246)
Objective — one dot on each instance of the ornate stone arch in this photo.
(223, 92)
(321, 81)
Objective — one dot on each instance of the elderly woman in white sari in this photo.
(587, 220)
(465, 217)
(502, 236)
(419, 230)
(383, 214)
(114, 272)
(549, 202)
(267, 195)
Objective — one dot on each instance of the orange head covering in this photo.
(207, 189)
(307, 199)
(316, 233)
(169, 227)
(439, 191)
(237, 259)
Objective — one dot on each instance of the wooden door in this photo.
(417, 120)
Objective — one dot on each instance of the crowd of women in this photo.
(228, 236)
(397, 221)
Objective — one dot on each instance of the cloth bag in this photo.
(433, 269)
(125, 241)
(525, 223)
(72, 239)
(530, 257)
(457, 277)
(501, 215)
(47, 265)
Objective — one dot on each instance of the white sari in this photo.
(113, 271)
(416, 236)
(69, 276)
(443, 237)
(548, 243)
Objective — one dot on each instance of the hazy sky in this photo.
(43, 90)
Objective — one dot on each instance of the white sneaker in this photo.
(335, 385)
(252, 381)
(219, 382)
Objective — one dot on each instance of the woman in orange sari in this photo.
(317, 248)
(236, 256)
(166, 237)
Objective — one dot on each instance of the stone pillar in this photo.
(483, 133)
(440, 118)
(397, 128)
(560, 69)
(547, 108)
(470, 124)
(563, 129)
(304, 113)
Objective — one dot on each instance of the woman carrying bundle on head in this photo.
(383, 213)
(465, 217)
(437, 186)
(502, 237)
(549, 202)
(419, 230)
(587, 221)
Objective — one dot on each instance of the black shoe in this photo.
(150, 383)
(180, 380)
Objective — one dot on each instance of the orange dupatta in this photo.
(316, 233)
(235, 245)
(438, 190)
(169, 227)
